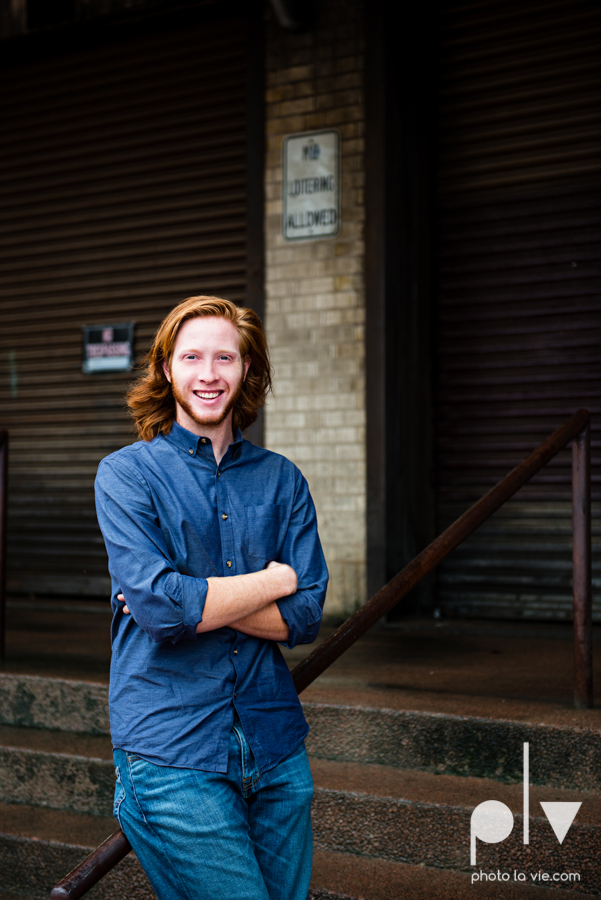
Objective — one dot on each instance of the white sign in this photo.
(311, 185)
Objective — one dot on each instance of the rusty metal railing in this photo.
(576, 429)
(3, 507)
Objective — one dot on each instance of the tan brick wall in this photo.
(315, 296)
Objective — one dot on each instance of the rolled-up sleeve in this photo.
(302, 611)
(163, 602)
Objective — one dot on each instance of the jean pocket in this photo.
(119, 796)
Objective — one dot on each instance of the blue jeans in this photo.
(242, 835)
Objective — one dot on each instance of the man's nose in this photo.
(207, 372)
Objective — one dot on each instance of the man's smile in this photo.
(208, 395)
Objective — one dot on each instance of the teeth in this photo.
(208, 396)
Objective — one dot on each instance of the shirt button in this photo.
(203, 440)
(235, 652)
(229, 564)
(191, 451)
(219, 473)
(235, 695)
(223, 516)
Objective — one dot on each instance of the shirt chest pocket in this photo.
(265, 531)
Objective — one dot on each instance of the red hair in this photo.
(150, 399)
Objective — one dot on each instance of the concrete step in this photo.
(5, 896)
(54, 703)
(38, 847)
(340, 876)
(565, 754)
(56, 769)
(560, 756)
(402, 815)
(424, 819)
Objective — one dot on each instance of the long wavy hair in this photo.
(150, 398)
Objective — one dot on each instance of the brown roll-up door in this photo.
(123, 191)
(519, 292)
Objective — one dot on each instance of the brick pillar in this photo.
(315, 304)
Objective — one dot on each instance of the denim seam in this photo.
(249, 782)
(117, 806)
(133, 787)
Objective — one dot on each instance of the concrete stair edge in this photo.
(561, 757)
(29, 868)
(33, 867)
(460, 745)
(373, 811)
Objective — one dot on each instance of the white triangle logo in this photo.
(561, 815)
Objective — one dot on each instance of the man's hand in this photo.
(246, 602)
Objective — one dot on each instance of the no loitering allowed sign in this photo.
(311, 185)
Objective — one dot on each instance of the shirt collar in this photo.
(193, 444)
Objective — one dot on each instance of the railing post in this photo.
(581, 555)
(3, 526)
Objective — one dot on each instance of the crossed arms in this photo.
(170, 605)
(247, 602)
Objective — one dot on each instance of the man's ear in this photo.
(247, 362)
(166, 370)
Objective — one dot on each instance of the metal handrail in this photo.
(577, 426)
(3, 508)
(576, 429)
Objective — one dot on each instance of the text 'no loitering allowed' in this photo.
(311, 186)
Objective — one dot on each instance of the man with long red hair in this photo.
(214, 558)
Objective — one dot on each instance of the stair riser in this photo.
(455, 745)
(485, 748)
(33, 702)
(421, 833)
(56, 781)
(32, 868)
(35, 867)
(439, 836)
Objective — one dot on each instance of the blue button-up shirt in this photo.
(171, 517)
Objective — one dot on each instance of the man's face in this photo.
(206, 372)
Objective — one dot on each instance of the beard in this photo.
(207, 419)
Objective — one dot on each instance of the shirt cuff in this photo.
(191, 594)
(302, 615)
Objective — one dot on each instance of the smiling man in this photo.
(214, 557)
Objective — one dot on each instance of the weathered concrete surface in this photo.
(438, 836)
(337, 875)
(31, 867)
(370, 810)
(388, 711)
(53, 703)
(459, 745)
(34, 867)
(422, 819)
(462, 745)
(56, 780)
(46, 824)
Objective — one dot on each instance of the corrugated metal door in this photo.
(123, 191)
(519, 293)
